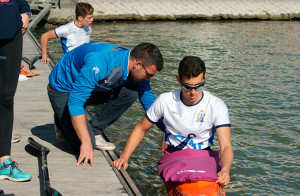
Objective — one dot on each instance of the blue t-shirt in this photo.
(91, 67)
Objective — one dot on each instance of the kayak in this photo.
(203, 188)
(190, 172)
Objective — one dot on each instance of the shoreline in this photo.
(172, 10)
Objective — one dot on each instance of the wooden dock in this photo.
(34, 118)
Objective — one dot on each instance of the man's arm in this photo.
(147, 97)
(25, 19)
(85, 83)
(86, 148)
(24, 9)
(226, 154)
(44, 44)
(135, 138)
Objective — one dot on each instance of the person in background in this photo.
(95, 74)
(191, 116)
(72, 34)
(14, 21)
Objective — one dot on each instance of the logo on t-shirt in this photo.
(200, 116)
(96, 69)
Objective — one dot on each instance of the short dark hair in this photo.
(149, 54)
(83, 9)
(191, 66)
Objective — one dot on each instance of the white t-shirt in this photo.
(189, 126)
(72, 36)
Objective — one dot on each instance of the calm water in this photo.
(253, 66)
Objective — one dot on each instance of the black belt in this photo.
(172, 149)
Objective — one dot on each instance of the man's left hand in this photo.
(86, 154)
(25, 19)
(120, 162)
(224, 178)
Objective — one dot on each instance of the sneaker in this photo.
(9, 170)
(15, 138)
(101, 144)
(59, 134)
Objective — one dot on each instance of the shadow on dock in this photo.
(47, 134)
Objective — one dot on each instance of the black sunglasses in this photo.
(147, 73)
(191, 87)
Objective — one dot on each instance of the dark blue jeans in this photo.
(116, 102)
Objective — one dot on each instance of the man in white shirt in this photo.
(191, 117)
(72, 34)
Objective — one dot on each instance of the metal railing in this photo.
(45, 9)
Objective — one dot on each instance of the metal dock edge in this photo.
(127, 182)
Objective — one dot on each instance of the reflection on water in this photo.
(253, 66)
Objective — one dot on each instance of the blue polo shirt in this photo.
(92, 67)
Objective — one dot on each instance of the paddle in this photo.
(44, 150)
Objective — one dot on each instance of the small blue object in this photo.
(3, 57)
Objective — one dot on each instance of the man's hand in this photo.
(135, 138)
(224, 178)
(25, 20)
(45, 59)
(44, 44)
(118, 163)
(86, 154)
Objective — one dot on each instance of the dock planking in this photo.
(34, 118)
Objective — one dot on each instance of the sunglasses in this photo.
(147, 73)
(191, 87)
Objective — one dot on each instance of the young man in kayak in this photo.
(72, 34)
(191, 117)
(95, 74)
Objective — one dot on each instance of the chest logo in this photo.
(200, 116)
(96, 69)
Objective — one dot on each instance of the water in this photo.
(254, 66)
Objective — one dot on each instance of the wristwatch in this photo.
(29, 14)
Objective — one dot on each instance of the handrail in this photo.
(40, 16)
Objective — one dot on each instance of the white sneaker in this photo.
(101, 144)
(15, 138)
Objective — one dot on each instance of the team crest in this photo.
(200, 116)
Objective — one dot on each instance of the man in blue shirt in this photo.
(100, 73)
